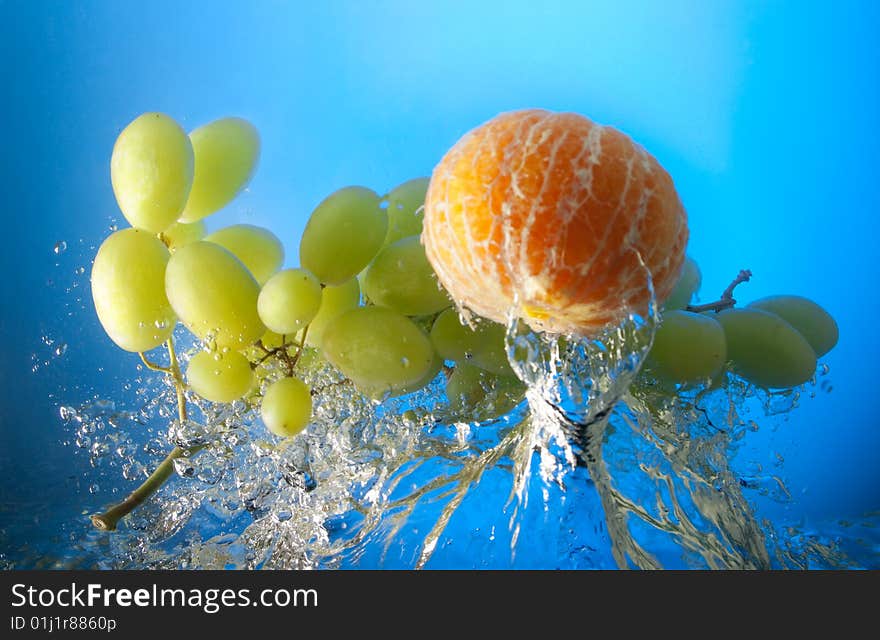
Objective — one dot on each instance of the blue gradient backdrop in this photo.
(765, 114)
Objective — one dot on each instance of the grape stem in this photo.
(281, 352)
(152, 366)
(727, 301)
(108, 520)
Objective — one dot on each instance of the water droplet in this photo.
(161, 324)
(61, 349)
(60, 247)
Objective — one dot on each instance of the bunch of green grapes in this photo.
(773, 343)
(229, 290)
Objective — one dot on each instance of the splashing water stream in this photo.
(602, 465)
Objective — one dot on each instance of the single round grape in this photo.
(401, 278)
(765, 350)
(335, 300)
(289, 300)
(813, 322)
(226, 152)
(483, 347)
(214, 295)
(259, 249)
(476, 394)
(405, 209)
(379, 349)
(128, 289)
(425, 380)
(287, 407)
(687, 285)
(181, 234)
(688, 348)
(343, 235)
(219, 376)
(151, 171)
(452, 339)
(466, 387)
(491, 355)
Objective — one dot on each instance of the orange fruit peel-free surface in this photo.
(553, 216)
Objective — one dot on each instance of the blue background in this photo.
(765, 114)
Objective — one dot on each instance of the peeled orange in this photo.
(554, 218)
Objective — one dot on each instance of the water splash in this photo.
(601, 464)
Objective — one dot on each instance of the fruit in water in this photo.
(424, 381)
(481, 395)
(687, 285)
(259, 249)
(128, 289)
(214, 295)
(335, 300)
(765, 350)
(401, 278)
(405, 209)
(343, 235)
(151, 170)
(286, 408)
(379, 349)
(551, 214)
(812, 321)
(688, 348)
(181, 234)
(482, 347)
(226, 153)
(289, 300)
(221, 376)
(452, 339)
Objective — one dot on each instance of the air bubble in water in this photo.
(60, 247)
(61, 349)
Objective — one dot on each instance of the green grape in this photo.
(766, 350)
(270, 340)
(687, 285)
(379, 349)
(259, 249)
(812, 321)
(476, 394)
(289, 300)
(220, 377)
(226, 153)
(335, 301)
(452, 339)
(492, 352)
(214, 294)
(343, 235)
(401, 278)
(465, 387)
(128, 289)
(181, 234)
(688, 348)
(287, 407)
(151, 171)
(483, 347)
(425, 380)
(405, 212)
